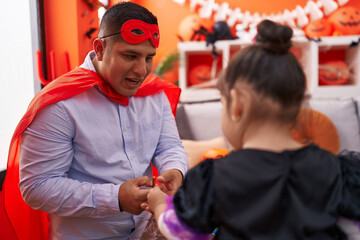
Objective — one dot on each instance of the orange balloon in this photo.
(319, 28)
(315, 127)
(346, 21)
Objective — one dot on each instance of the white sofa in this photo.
(200, 120)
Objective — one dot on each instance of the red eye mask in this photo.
(135, 31)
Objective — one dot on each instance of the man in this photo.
(89, 137)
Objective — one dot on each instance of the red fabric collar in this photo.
(24, 220)
(107, 89)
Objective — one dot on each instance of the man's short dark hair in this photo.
(117, 15)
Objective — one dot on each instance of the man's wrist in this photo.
(119, 202)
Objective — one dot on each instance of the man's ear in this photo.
(99, 47)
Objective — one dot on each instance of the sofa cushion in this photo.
(200, 120)
(343, 114)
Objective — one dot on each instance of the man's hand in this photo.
(131, 195)
(170, 181)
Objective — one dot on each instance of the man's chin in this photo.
(128, 92)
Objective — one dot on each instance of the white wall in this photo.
(18, 80)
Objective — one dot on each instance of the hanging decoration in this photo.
(314, 11)
(297, 18)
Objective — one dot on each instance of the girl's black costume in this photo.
(256, 194)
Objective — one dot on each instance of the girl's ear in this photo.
(99, 47)
(241, 101)
(236, 107)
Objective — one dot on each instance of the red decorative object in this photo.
(40, 69)
(319, 28)
(333, 73)
(346, 21)
(199, 74)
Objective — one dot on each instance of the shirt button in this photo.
(131, 158)
(125, 128)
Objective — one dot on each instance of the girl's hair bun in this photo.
(274, 37)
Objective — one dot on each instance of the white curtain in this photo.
(18, 75)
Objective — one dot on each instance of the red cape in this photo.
(26, 222)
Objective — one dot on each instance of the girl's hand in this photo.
(156, 201)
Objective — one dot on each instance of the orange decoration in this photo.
(199, 74)
(333, 73)
(319, 28)
(346, 21)
(192, 23)
(215, 153)
(315, 127)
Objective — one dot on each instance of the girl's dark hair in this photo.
(117, 15)
(270, 68)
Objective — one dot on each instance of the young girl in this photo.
(270, 186)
